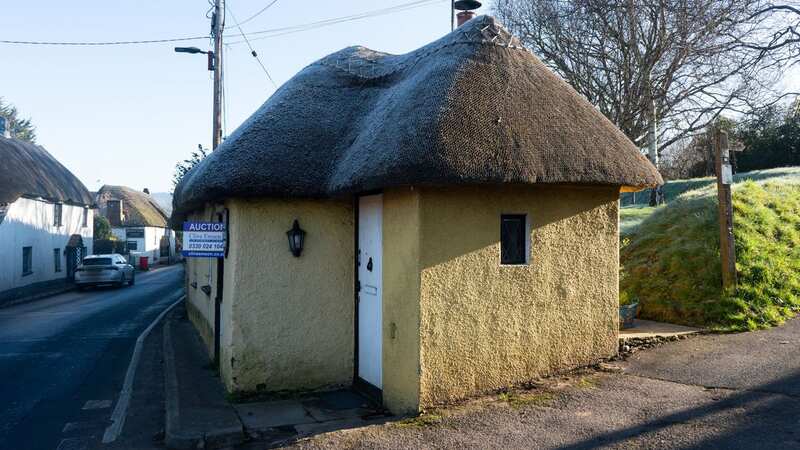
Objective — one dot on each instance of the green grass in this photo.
(674, 188)
(631, 217)
(671, 264)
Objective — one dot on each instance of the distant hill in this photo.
(164, 200)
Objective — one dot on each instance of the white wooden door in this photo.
(370, 305)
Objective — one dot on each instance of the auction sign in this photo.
(203, 239)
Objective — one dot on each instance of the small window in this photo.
(513, 239)
(133, 245)
(57, 259)
(85, 217)
(27, 261)
(57, 212)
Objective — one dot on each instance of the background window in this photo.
(513, 239)
(57, 210)
(57, 259)
(133, 245)
(27, 260)
(85, 217)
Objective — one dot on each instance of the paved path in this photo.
(738, 391)
(763, 361)
(63, 360)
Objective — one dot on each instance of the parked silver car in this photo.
(104, 269)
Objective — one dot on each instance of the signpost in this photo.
(727, 248)
(203, 240)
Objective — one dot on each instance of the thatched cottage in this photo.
(45, 220)
(137, 220)
(453, 220)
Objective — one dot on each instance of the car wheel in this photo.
(132, 280)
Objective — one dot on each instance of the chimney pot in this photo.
(464, 17)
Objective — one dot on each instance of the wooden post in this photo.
(727, 248)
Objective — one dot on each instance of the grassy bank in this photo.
(671, 262)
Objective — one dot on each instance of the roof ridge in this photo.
(482, 30)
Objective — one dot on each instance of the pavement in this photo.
(199, 413)
(647, 329)
(63, 360)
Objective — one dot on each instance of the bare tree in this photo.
(680, 62)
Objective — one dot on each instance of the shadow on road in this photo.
(763, 417)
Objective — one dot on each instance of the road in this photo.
(733, 391)
(63, 359)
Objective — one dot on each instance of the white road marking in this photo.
(72, 426)
(121, 409)
(73, 444)
(97, 404)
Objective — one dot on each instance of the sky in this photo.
(127, 114)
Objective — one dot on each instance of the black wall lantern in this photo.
(296, 236)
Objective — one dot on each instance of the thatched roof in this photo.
(138, 208)
(29, 170)
(472, 107)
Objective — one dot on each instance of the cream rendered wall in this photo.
(484, 326)
(29, 223)
(288, 322)
(401, 283)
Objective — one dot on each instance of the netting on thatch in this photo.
(472, 107)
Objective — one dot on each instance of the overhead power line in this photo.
(273, 32)
(147, 41)
(258, 13)
(238, 25)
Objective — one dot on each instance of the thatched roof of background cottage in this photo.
(472, 107)
(29, 170)
(138, 208)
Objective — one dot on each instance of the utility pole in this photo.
(727, 249)
(217, 27)
(652, 139)
(452, 14)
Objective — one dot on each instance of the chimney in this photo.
(466, 7)
(146, 191)
(114, 212)
(5, 128)
(464, 16)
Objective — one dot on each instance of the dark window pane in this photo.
(27, 260)
(57, 259)
(57, 212)
(512, 239)
(97, 262)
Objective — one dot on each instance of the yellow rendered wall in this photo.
(484, 326)
(288, 322)
(401, 227)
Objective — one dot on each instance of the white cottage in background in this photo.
(138, 220)
(46, 220)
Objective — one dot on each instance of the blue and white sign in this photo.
(203, 239)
